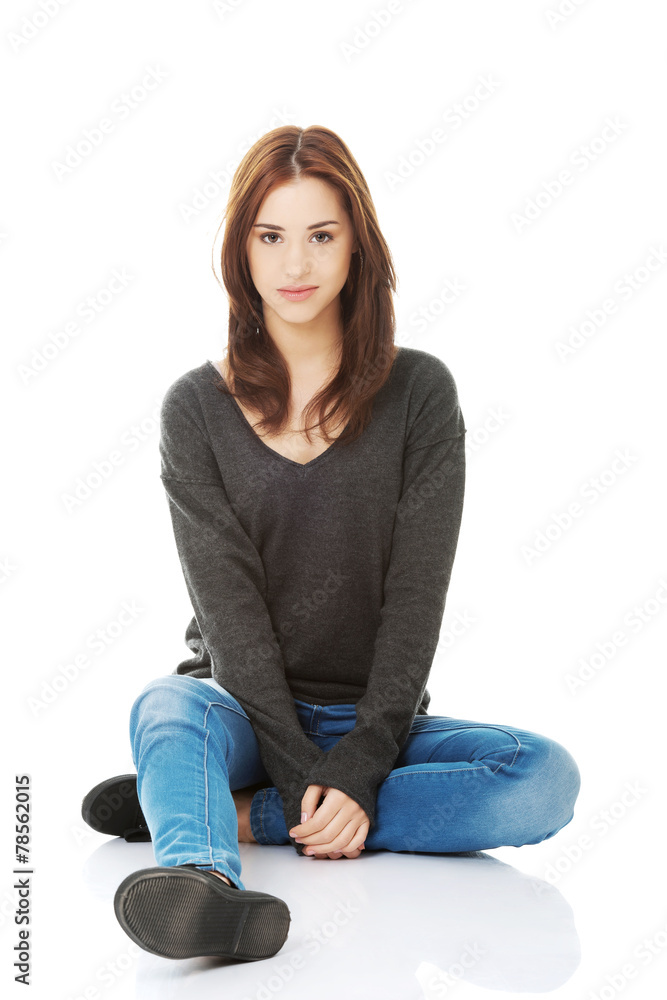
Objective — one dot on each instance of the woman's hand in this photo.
(338, 828)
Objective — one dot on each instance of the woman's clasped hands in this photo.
(338, 828)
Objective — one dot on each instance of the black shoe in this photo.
(183, 912)
(112, 807)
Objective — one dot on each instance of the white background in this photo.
(144, 203)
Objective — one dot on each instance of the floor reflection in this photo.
(385, 924)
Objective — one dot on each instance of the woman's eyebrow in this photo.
(317, 225)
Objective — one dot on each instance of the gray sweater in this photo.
(324, 582)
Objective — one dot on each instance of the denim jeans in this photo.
(457, 785)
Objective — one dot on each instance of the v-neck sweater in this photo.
(324, 581)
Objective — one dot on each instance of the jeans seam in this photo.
(516, 752)
(223, 704)
(444, 770)
(208, 828)
(229, 708)
(497, 750)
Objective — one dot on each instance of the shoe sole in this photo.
(184, 913)
(113, 808)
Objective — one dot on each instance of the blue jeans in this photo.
(457, 785)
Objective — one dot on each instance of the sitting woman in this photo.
(315, 480)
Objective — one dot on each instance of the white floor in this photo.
(511, 922)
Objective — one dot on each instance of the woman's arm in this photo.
(424, 542)
(226, 582)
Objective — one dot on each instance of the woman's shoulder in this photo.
(431, 395)
(185, 388)
(188, 397)
(423, 372)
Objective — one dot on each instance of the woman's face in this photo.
(301, 236)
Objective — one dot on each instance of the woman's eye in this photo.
(264, 238)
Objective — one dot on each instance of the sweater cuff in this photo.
(357, 765)
(292, 794)
(363, 793)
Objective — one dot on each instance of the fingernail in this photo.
(304, 817)
(297, 840)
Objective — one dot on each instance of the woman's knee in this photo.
(552, 783)
(558, 769)
(166, 702)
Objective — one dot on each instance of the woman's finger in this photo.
(350, 833)
(336, 855)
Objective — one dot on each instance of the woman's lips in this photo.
(297, 296)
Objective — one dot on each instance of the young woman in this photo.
(315, 479)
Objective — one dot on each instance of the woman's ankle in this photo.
(225, 878)
(212, 871)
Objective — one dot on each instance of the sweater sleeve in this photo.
(424, 541)
(226, 583)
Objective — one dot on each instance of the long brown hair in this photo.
(258, 371)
